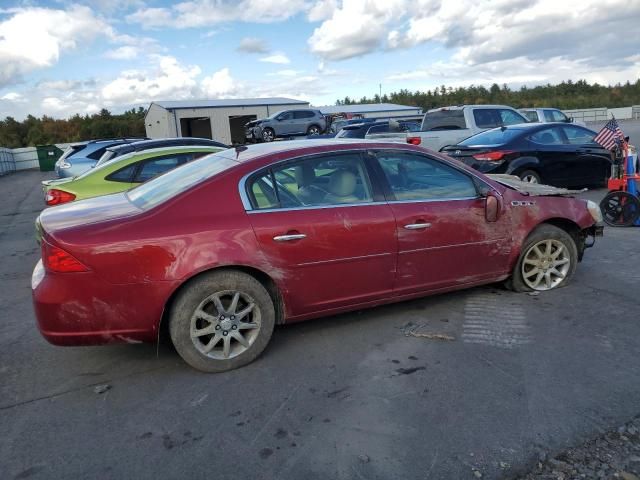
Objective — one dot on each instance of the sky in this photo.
(61, 57)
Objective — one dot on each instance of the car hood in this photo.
(83, 212)
(532, 189)
(253, 123)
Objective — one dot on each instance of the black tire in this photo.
(620, 209)
(530, 176)
(314, 130)
(195, 295)
(543, 233)
(268, 135)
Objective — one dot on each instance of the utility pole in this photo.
(380, 97)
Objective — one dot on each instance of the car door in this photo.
(301, 121)
(554, 158)
(590, 163)
(444, 239)
(326, 233)
(285, 124)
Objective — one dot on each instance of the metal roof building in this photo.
(374, 110)
(221, 120)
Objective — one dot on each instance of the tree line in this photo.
(47, 130)
(566, 95)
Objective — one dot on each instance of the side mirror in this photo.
(492, 208)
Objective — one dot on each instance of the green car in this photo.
(123, 173)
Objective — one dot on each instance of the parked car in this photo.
(229, 245)
(287, 123)
(80, 157)
(122, 173)
(552, 153)
(450, 125)
(378, 130)
(338, 125)
(546, 115)
(119, 150)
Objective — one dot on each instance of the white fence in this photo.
(21, 158)
(7, 162)
(603, 113)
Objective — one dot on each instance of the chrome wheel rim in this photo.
(267, 135)
(225, 324)
(545, 265)
(530, 179)
(314, 131)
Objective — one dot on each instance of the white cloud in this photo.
(126, 52)
(167, 79)
(200, 13)
(357, 28)
(13, 97)
(322, 10)
(279, 58)
(34, 38)
(220, 84)
(285, 73)
(253, 45)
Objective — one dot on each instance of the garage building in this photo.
(221, 120)
(376, 110)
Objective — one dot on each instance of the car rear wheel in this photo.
(268, 135)
(548, 260)
(313, 130)
(221, 321)
(530, 176)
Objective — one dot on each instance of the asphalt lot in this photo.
(345, 397)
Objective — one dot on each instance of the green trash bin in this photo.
(48, 155)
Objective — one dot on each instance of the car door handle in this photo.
(289, 237)
(417, 226)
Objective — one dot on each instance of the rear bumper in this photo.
(82, 309)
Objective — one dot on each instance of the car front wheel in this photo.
(268, 135)
(530, 176)
(221, 321)
(548, 260)
(313, 130)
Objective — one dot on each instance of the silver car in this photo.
(287, 123)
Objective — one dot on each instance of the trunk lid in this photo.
(84, 212)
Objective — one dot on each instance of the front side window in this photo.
(285, 116)
(548, 136)
(414, 177)
(531, 115)
(337, 179)
(577, 135)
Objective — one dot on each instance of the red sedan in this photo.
(231, 244)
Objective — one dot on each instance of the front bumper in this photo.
(83, 309)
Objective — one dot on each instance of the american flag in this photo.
(610, 136)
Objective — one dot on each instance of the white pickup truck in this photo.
(450, 125)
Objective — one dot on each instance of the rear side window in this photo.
(302, 114)
(336, 179)
(415, 177)
(156, 166)
(444, 120)
(548, 136)
(531, 115)
(124, 174)
(555, 116)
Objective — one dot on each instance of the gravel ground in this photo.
(612, 455)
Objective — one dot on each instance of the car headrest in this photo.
(305, 175)
(342, 183)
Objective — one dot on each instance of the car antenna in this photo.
(240, 149)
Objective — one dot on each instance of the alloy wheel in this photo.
(530, 179)
(620, 209)
(545, 265)
(313, 130)
(225, 324)
(267, 135)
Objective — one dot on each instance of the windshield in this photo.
(496, 136)
(178, 180)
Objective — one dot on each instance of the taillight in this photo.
(57, 260)
(492, 156)
(414, 140)
(56, 197)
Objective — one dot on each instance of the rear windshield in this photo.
(174, 182)
(444, 120)
(352, 132)
(496, 136)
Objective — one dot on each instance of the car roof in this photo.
(253, 152)
(355, 126)
(462, 107)
(165, 142)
